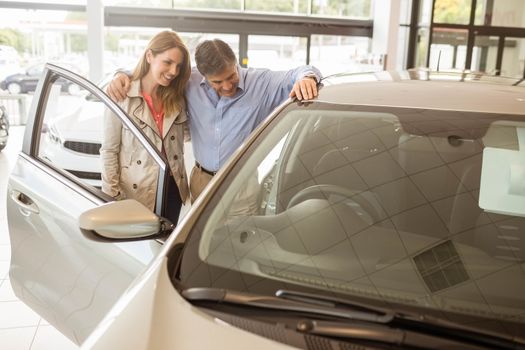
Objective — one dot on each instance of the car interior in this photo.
(392, 194)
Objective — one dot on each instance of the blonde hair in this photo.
(172, 96)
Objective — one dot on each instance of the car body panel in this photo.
(4, 127)
(384, 89)
(165, 320)
(68, 279)
(53, 268)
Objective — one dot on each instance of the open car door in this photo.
(68, 279)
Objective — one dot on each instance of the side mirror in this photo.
(126, 220)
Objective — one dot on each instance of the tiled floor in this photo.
(20, 327)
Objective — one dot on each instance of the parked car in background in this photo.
(21, 83)
(388, 213)
(4, 127)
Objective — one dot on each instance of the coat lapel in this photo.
(143, 114)
(170, 119)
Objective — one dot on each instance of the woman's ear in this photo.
(149, 56)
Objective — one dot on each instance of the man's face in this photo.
(226, 82)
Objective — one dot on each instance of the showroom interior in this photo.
(95, 38)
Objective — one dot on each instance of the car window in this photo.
(422, 208)
(72, 134)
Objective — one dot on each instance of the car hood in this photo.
(153, 315)
(84, 126)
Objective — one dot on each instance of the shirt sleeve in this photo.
(279, 84)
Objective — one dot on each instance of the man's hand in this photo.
(304, 89)
(119, 87)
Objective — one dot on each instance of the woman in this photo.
(155, 102)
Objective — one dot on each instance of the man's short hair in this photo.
(213, 57)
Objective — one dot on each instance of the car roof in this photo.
(422, 89)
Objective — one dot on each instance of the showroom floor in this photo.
(20, 327)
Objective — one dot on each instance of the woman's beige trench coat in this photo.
(127, 169)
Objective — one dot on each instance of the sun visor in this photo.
(502, 188)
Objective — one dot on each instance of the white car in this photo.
(385, 214)
(74, 135)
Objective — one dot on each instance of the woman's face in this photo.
(165, 66)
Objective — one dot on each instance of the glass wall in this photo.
(485, 53)
(125, 45)
(423, 40)
(207, 4)
(335, 54)
(513, 64)
(343, 8)
(448, 49)
(402, 47)
(276, 52)
(488, 39)
(70, 2)
(281, 6)
(505, 13)
(325, 8)
(452, 11)
(139, 3)
(32, 37)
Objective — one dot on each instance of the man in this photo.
(227, 102)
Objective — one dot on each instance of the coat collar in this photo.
(144, 114)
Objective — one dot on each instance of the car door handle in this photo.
(24, 202)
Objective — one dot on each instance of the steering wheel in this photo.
(359, 203)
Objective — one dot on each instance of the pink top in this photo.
(158, 116)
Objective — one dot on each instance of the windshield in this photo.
(420, 209)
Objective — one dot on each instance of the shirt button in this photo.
(175, 157)
(172, 137)
(139, 162)
(135, 186)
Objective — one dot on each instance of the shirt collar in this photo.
(242, 76)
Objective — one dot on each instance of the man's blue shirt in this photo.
(219, 125)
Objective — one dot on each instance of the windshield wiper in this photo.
(421, 323)
(283, 304)
(332, 302)
(384, 325)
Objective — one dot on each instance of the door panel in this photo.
(69, 280)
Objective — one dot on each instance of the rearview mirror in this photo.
(126, 220)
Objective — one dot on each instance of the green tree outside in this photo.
(452, 11)
(14, 38)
